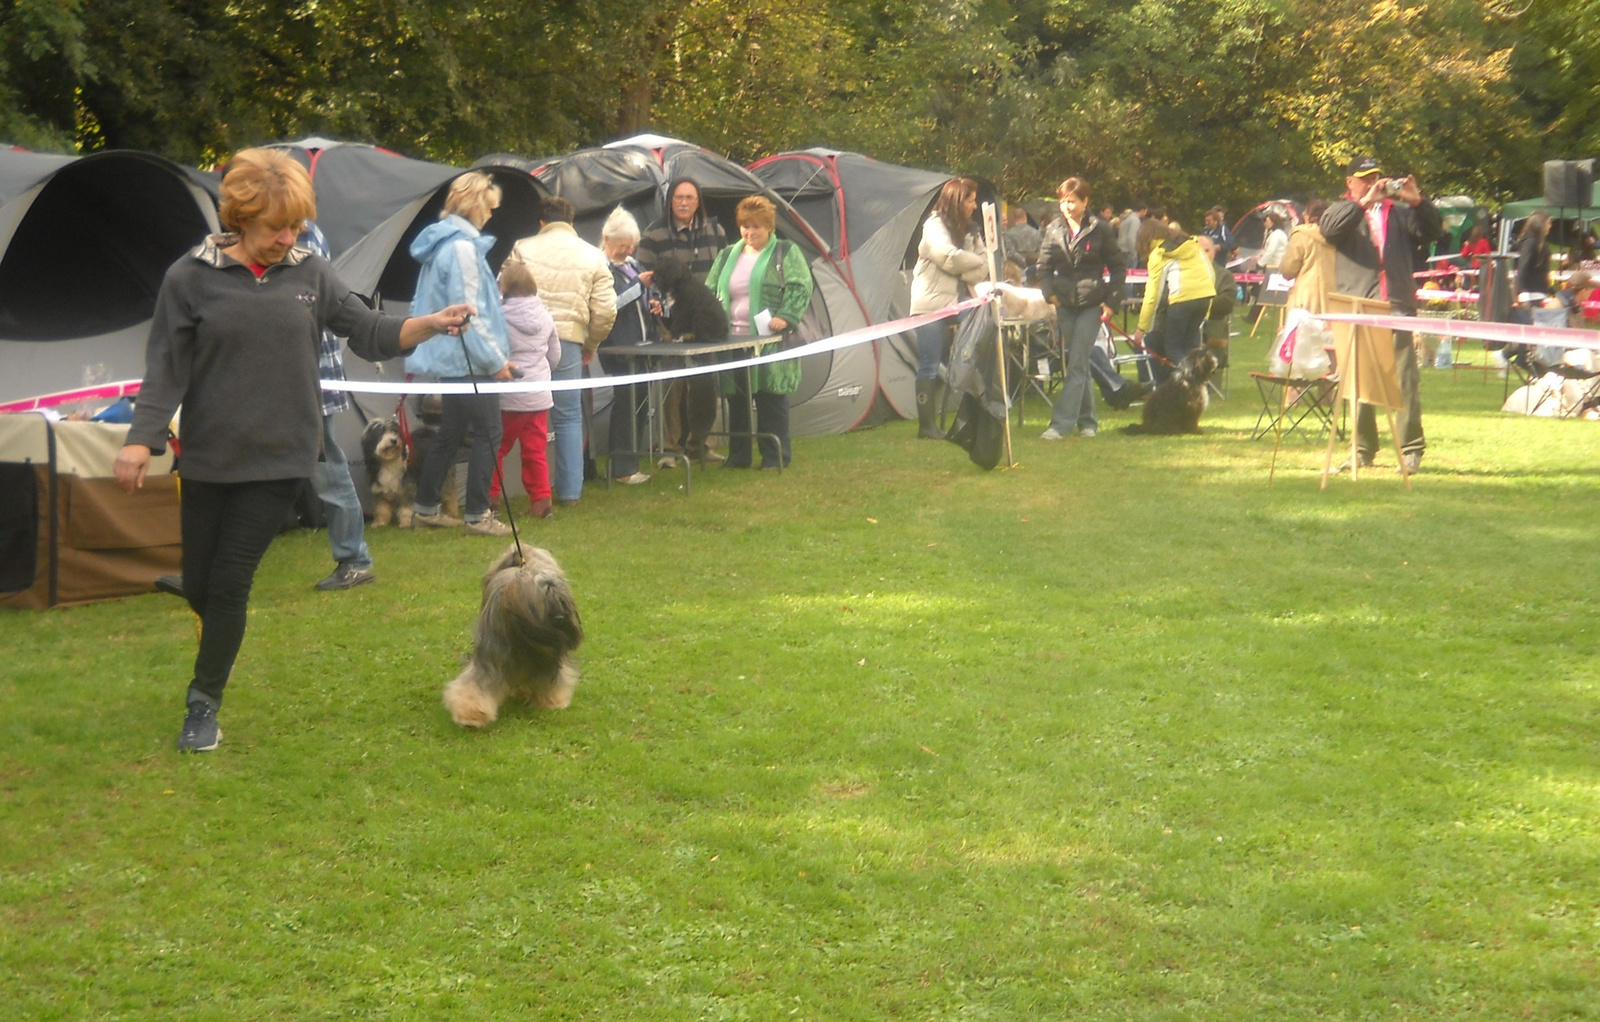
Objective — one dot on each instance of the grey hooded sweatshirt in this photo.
(240, 355)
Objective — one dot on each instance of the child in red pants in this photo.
(525, 417)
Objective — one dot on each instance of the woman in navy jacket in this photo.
(1080, 270)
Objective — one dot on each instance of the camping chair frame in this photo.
(1016, 335)
(1283, 416)
(1142, 358)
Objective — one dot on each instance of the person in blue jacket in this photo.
(455, 269)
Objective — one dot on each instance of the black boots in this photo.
(928, 395)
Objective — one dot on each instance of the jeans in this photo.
(1074, 406)
(226, 530)
(480, 412)
(1105, 374)
(1179, 334)
(930, 348)
(566, 420)
(331, 482)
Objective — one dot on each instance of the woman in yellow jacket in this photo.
(1178, 294)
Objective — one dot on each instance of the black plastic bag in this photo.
(980, 422)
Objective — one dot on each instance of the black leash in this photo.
(499, 473)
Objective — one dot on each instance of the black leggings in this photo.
(227, 528)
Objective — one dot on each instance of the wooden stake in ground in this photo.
(1364, 357)
(991, 244)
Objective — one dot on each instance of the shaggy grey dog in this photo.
(526, 631)
(1177, 403)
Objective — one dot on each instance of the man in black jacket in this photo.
(1380, 229)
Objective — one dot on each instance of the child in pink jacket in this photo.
(525, 417)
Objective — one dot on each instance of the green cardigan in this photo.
(785, 292)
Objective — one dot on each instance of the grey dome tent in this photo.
(838, 390)
(371, 203)
(84, 243)
(870, 214)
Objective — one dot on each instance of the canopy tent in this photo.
(838, 390)
(84, 243)
(1524, 208)
(871, 215)
(1458, 214)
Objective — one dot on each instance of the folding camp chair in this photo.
(1290, 406)
(1035, 360)
(1137, 355)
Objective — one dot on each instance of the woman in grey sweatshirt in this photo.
(234, 341)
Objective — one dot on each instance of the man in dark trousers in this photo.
(1379, 229)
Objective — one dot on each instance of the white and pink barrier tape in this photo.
(850, 338)
(99, 392)
(1509, 333)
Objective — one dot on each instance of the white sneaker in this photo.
(1087, 432)
(489, 526)
(637, 479)
(1051, 434)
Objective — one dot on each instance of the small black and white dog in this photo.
(392, 482)
(392, 476)
(1177, 403)
(694, 312)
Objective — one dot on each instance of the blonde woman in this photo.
(455, 268)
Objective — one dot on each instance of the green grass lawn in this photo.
(1120, 733)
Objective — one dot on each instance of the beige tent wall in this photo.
(94, 542)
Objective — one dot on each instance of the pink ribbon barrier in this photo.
(860, 335)
(1509, 333)
(101, 392)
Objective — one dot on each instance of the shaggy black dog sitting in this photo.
(1177, 403)
(696, 315)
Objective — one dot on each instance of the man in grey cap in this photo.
(1379, 230)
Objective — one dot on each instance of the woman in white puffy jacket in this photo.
(949, 260)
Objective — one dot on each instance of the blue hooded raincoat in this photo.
(455, 268)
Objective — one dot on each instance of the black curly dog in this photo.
(696, 314)
(1175, 406)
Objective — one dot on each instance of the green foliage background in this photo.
(1185, 102)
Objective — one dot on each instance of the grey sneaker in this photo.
(1412, 461)
(1051, 434)
(170, 584)
(1361, 460)
(1087, 432)
(346, 576)
(438, 521)
(200, 731)
(488, 526)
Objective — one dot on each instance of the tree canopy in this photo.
(1182, 102)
